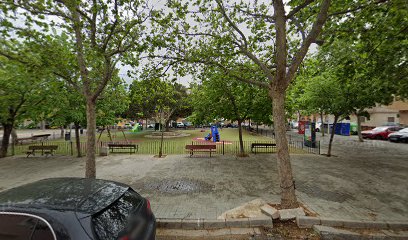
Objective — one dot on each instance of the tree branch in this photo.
(299, 8)
(311, 37)
(232, 24)
(356, 8)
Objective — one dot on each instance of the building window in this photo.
(391, 119)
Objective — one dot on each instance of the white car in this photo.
(180, 125)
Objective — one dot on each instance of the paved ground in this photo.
(364, 181)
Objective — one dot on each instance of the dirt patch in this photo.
(289, 230)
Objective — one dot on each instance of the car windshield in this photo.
(112, 220)
(405, 130)
(379, 129)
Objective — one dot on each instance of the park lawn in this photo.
(229, 142)
(226, 134)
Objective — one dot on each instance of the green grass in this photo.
(170, 145)
(226, 134)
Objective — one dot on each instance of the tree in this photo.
(100, 33)
(70, 107)
(263, 34)
(149, 95)
(23, 95)
(221, 96)
(273, 39)
(337, 82)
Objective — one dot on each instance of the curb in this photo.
(330, 233)
(309, 222)
(209, 224)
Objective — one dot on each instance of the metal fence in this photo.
(169, 147)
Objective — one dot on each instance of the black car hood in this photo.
(87, 196)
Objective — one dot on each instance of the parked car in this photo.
(150, 126)
(400, 136)
(232, 125)
(75, 208)
(180, 125)
(380, 133)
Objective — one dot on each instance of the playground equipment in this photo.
(136, 127)
(214, 135)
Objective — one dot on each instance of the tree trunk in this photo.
(162, 138)
(336, 118)
(7, 129)
(77, 140)
(90, 167)
(62, 131)
(167, 125)
(241, 142)
(14, 136)
(322, 125)
(360, 137)
(287, 184)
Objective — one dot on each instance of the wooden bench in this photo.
(131, 147)
(47, 150)
(41, 136)
(262, 145)
(201, 148)
(21, 140)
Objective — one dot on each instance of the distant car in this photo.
(318, 126)
(380, 133)
(75, 208)
(150, 126)
(180, 125)
(231, 125)
(400, 136)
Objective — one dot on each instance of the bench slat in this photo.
(194, 147)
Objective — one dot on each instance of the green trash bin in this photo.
(353, 128)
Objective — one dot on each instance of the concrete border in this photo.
(330, 233)
(211, 224)
(301, 221)
(309, 222)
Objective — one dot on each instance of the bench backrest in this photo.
(47, 147)
(122, 145)
(41, 135)
(263, 144)
(207, 146)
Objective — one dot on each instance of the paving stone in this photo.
(330, 233)
(219, 232)
(270, 211)
(169, 223)
(214, 224)
(397, 225)
(192, 224)
(396, 234)
(307, 222)
(331, 222)
(242, 231)
(287, 214)
(354, 224)
(237, 222)
(261, 222)
(376, 224)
